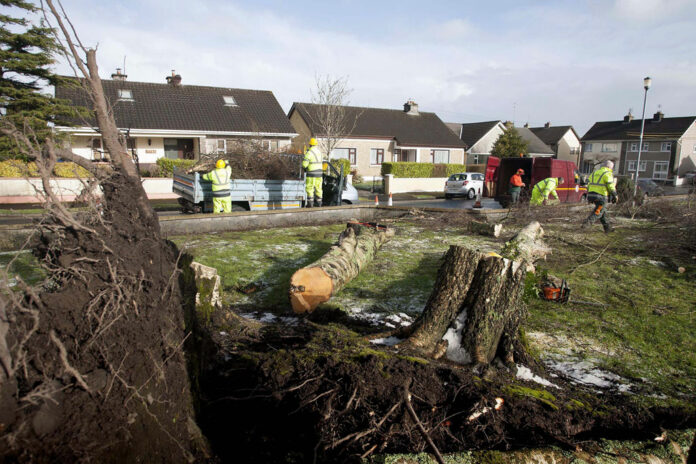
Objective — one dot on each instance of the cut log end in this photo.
(309, 287)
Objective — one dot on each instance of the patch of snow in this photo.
(524, 373)
(453, 336)
(586, 373)
(375, 318)
(388, 341)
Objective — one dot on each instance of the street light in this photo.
(646, 85)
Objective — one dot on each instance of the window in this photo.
(344, 153)
(221, 146)
(634, 146)
(440, 156)
(666, 146)
(477, 177)
(660, 169)
(632, 166)
(229, 100)
(588, 147)
(587, 167)
(124, 94)
(376, 156)
(608, 147)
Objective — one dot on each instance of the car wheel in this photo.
(448, 196)
(471, 194)
(583, 199)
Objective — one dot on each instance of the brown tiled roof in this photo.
(667, 129)
(535, 145)
(187, 107)
(473, 131)
(423, 129)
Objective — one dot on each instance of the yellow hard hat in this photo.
(220, 164)
(312, 142)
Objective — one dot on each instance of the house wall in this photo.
(485, 144)
(650, 156)
(597, 155)
(301, 128)
(568, 147)
(362, 154)
(686, 151)
(82, 145)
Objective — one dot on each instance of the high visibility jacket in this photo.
(313, 162)
(516, 181)
(546, 187)
(221, 181)
(601, 182)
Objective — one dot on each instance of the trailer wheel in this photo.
(237, 208)
(583, 198)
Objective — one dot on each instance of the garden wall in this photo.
(30, 190)
(413, 184)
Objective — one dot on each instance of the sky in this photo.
(558, 61)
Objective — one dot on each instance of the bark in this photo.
(318, 282)
(475, 309)
(483, 228)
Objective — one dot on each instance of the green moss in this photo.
(540, 395)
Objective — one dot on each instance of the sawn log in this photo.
(318, 282)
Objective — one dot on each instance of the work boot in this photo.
(608, 228)
(317, 203)
(309, 202)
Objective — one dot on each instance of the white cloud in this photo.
(650, 10)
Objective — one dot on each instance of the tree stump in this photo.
(475, 309)
(318, 282)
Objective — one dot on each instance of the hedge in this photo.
(411, 170)
(341, 161)
(166, 166)
(18, 168)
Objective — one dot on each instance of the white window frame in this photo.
(634, 146)
(666, 146)
(349, 151)
(223, 149)
(606, 147)
(588, 147)
(125, 95)
(229, 100)
(432, 153)
(631, 166)
(661, 173)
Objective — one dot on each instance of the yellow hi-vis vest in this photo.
(601, 182)
(547, 187)
(221, 181)
(313, 162)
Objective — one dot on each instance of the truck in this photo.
(499, 171)
(195, 194)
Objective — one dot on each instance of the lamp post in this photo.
(646, 85)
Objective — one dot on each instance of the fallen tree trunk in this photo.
(318, 282)
(475, 309)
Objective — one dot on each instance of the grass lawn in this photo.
(642, 340)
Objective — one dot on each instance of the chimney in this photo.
(411, 107)
(174, 79)
(628, 118)
(657, 117)
(117, 76)
(547, 125)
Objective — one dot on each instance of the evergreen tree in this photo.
(509, 144)
(26, 54)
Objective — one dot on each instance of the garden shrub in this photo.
(337, 163)
(166, 166)
(411, 170)
(357, 178)
(70, 169)
(18, 168)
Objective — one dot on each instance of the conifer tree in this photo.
(26, 55)
(509, 144)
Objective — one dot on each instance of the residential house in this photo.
(378, 135)
(479, 138)
(172, 120)
(668, 151)
(536, 148)
(563, 141)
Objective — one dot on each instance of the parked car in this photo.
(466, 184)
(650, 188)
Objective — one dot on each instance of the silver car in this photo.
(350, 195)
(466, 184)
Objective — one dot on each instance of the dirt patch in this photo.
(320, 393)
(100, 373)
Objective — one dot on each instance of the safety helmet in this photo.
(520, 172)
(220, 164)
(312, 141)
